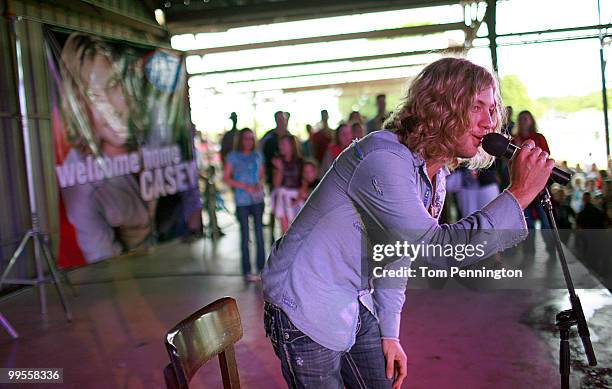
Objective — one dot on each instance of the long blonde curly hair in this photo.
(435, 111)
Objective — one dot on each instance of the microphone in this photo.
(499, 146)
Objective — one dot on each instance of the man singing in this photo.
(328, 329)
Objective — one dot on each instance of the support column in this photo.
(491, 19)
(604, 94)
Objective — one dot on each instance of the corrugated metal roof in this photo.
(189, 16)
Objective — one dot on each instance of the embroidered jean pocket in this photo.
(292, 336)
(289, 332)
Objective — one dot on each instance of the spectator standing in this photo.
(269, 143)
(576, 198)
(344, 136)
(321, 138)
(227, 142)
(590, 217)
(244, 173)
(593, 174)
(354, 117)
(310, 181)
(357, 131)
(527, 129)
(376, 123)
(565, 216)
(286, 180)
(307, 144)
(269, 147)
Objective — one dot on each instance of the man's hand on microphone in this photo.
(529, 172)
(397, 363)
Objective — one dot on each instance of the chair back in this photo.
(208, 332)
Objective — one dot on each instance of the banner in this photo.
(125, 164)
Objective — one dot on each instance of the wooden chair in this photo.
(209, 332)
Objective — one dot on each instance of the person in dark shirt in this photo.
(564, 213)
(588, 239)
(607, 199)
(269, 149)
(227, 142)
(270, 144)
(307, 144)
(590, 217)
(376, 123)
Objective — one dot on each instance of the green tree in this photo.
(574, 103)
(514, 93)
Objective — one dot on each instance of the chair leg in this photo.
(229, 369)
(170, 377)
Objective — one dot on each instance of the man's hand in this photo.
(396, 361)
(529, 172)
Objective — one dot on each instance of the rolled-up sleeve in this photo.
(384, 189)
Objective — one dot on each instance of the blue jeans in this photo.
(307, 364)
(242, 213)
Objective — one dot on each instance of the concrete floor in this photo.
(456, 337)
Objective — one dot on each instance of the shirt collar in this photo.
(419, 162)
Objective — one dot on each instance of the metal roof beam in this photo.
(386, 33)
(452, 49)
(557, 30)
(345, 84)
(182, 20)
(327, 73)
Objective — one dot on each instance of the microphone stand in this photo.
(565, 320)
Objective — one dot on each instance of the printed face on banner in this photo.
(124, 153)
(109, 109)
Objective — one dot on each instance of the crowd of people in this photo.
(584, 203)
(289, 169)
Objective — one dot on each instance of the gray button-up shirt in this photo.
(314, 272)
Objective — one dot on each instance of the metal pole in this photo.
(40, 245)
(604, 96)
(604, 93)
(253, 99)
(491, 17)
(23, 110)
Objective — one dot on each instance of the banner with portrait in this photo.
(125, 164)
